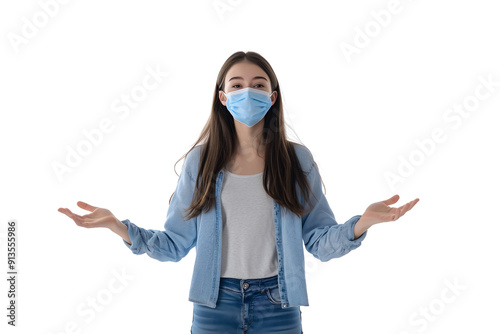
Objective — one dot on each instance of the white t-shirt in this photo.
(248, 232)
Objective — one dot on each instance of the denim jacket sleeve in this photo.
(323, 236)
(178, 236)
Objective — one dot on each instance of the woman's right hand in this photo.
(99, 217)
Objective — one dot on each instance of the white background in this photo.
(357, 117)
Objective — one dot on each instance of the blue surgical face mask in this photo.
(248, 105)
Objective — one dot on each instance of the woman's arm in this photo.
(360, 228)
(178, 236)
(121, 229)
(323, 237)
(170, 244)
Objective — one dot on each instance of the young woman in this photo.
(246, 198)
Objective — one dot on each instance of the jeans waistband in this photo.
(253, 284)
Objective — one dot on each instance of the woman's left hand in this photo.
(380, 212)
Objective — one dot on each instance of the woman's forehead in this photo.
(246, 71)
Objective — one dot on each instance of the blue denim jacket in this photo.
(323, 237)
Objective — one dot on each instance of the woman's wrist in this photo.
(121, 229)
(360, 227)
(116, 225)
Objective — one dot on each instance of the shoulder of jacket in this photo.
(304, 156)
(192, 161)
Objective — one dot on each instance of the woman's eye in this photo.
(256, 85)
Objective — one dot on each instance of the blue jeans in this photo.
(247, 306)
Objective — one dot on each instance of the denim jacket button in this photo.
(285, 305)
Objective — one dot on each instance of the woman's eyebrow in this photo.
(240, 78)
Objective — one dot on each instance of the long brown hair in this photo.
(282, 169)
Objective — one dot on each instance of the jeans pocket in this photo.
(273, 294)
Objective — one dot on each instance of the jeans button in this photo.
(245, 285)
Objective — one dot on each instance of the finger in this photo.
(401, 211)
(407, 207)
(413, 204)
(77, 218)
(396, 211)
(86, 206)
(404, 209)
(391, 200)
(66, 211)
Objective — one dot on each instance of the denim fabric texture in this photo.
(318, 231)
(249, 306)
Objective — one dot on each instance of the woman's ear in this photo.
(274, 97)
(222, 98)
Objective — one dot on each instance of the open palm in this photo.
(379, 212)
(99, 217)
